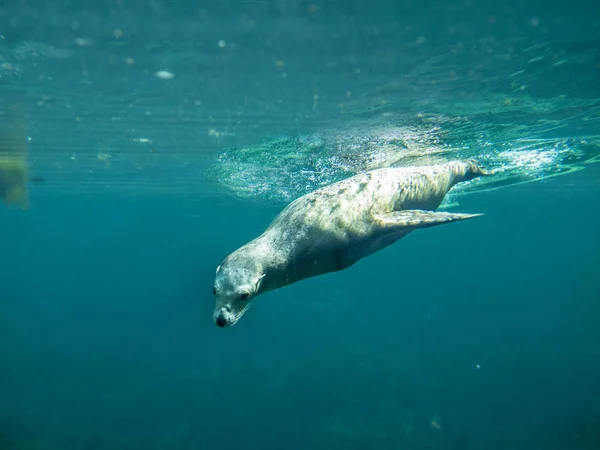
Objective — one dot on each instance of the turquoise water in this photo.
(476, 335)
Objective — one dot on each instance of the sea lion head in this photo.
(236, 284)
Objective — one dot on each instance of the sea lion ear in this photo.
(258, 280)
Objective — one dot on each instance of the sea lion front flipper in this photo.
(416, 218)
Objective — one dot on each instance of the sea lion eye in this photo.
(244, 296)
(214, 290)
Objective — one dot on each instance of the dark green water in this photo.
(476, 335)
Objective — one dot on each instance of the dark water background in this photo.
(476, 335)
(107, 335)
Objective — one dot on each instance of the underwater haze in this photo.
(142, 141)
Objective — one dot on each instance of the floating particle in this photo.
(532, 60)
(130, 61)
(312, 8)
(222, 43)
(83, 42)
(280, 63)
(164, 75)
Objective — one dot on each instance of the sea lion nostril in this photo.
(221, 321)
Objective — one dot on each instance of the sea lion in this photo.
(334, 227)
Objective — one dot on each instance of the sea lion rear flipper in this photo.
(416, 218)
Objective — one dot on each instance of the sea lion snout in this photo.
(223, 317)
(220, 321)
